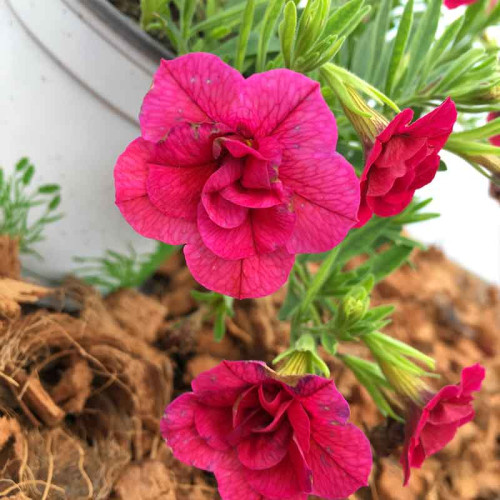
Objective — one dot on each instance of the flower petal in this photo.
(179, 431)
(289, 107)
(326, 202)
(232, 244)
(262, 451)
(252, 277)
(224, 213)
(299, 419)
(340, 459)
(207, 386)
(272, 227)
(131, 173)
(281, 481)
(212, 424)
(176, 191)
(253, 198)
(322, 400)
(194, 88)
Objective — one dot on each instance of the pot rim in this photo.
(126, 28)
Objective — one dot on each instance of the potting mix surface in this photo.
(84, 380)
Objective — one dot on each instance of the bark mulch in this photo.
(84, 381)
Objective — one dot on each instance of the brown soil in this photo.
(84, 380)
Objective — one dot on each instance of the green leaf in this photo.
(471, 16)
(439, 48)
(28, 175)
(399, 47)
(149, 10)
(246, 27)
(22, 164)
(384, 263)
(222, 18)
(378, 38)
(287, 32)
(187, 13)
(461, 66)
(49, 188)
(270, 18)
(483, 132)
(342, 17)
(422, 39)
(219, 326)
(329, 342)
(317, 282)
(361, 240)
(442, 166)
(359, 84)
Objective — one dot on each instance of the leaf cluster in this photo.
(25, 211)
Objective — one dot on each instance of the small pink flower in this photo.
(268, 437)
(243, 171)
(403, 159)
(495, 140)
(431, 428)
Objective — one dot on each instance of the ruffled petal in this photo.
(299, 420)
(253, 198)
(176, 191)
(213, 423)
(252, 277)
(326, 202)
(232, 244)
(194, 88)
(322, 400)
(179, 431)
(272, 227)
(221, 211)
(262, 451)
(207, 386)
(131, 174)
(283, 480)
(340, 459)
(289, 107)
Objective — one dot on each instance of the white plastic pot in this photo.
(72, 78)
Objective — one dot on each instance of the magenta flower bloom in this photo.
(431, 427)
(404, 158)
(495, 140)
(243, 171)
(268, 437)
(453, 4)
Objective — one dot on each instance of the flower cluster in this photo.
(267, 436)
(244, 172)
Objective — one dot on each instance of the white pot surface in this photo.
(69, 100)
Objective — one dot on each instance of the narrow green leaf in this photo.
(246, 27)
(219, 326)
(471, 16)
(399, 47)
(270, 18)
(222, 18)
(28, 175)
(22, 164)
(439, 48)
(483, 132)
(287, 32)
(384, 263)
(461, 66)
(319, 279)
(187, 13)
(342, 17)
(379, 34)
(49, 188)
(423, 39)
(361, 240)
